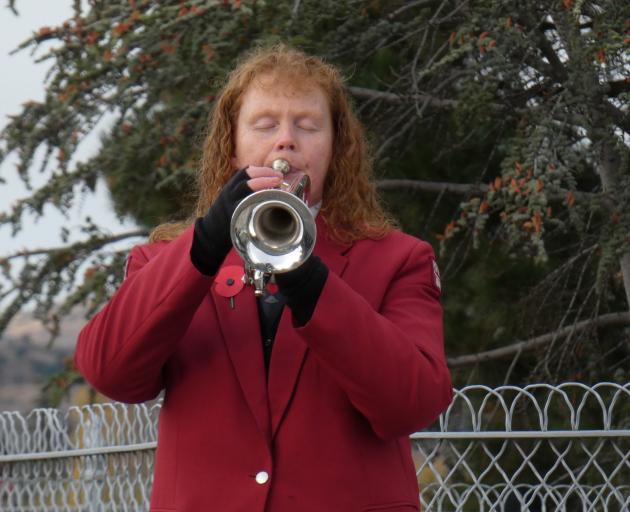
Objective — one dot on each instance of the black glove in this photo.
(211, 241)
(302, 288)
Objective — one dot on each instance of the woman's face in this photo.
(277, 120)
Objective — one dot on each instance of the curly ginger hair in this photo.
(350, 205)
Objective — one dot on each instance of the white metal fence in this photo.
(537, 448)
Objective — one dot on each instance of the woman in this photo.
(303, 407)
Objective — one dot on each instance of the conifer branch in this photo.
(468, 189)
(431, 186)
(92, 243)
(621, 119)
(11, 7)
(408, 6)
(559, 71)
(58, 191)
(607, 320)
(548, 25)
(390, 97)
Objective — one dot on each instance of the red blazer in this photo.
(327, 431)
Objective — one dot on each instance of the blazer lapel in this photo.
(289, 349)
(240, 326)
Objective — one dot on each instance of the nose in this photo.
(286, 140)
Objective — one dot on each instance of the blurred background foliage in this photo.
(500, 133)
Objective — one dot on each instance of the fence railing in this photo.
(536, 448)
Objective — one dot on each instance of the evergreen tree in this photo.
(500, 132)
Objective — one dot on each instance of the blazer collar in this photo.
(240, 326)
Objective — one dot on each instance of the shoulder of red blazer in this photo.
(392, 257)
(395, 240)
(149, 250)
(142, 253)
(394, 243)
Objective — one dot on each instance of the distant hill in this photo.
(26, 361)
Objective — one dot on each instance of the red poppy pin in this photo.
(229, 281)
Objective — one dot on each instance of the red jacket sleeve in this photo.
(390, 362)
(124, 347)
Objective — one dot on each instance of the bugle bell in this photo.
(274, 230)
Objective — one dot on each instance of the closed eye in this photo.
(309, 127)
(265, 126)
(264, 122)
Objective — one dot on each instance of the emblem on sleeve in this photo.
(436, 276)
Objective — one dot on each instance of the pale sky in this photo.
(22, 80)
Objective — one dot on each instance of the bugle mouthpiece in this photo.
(281, 165)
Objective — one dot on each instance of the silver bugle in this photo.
(274, 230)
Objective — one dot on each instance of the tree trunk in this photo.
(608, 172)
